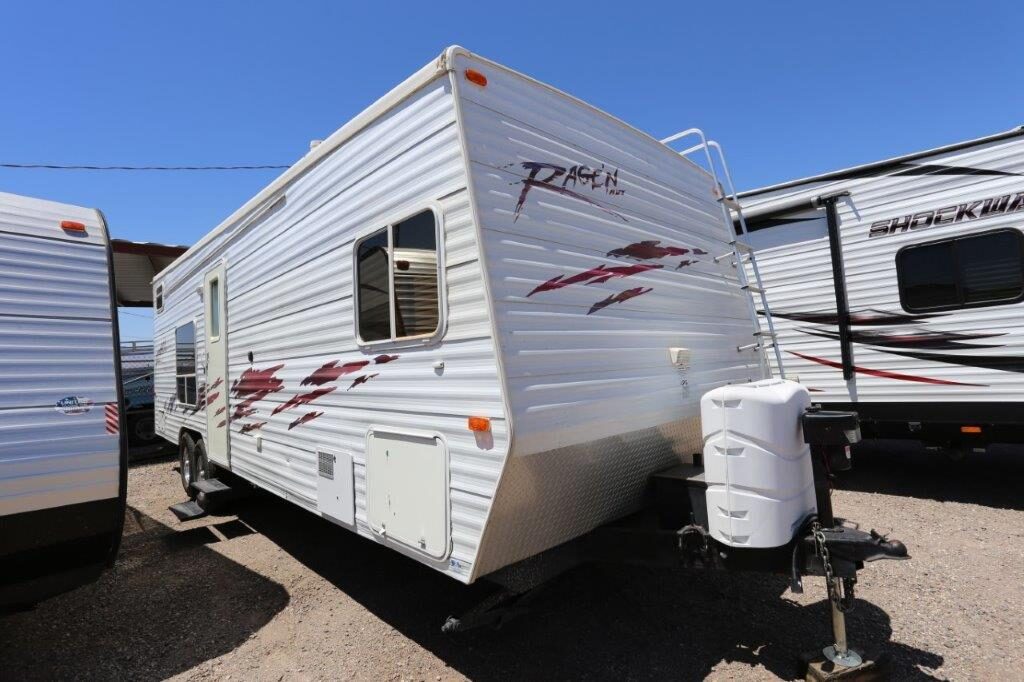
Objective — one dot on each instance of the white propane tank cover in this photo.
(756, 464)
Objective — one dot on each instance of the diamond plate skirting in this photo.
(547, 498)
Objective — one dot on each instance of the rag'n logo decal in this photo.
(579, 182)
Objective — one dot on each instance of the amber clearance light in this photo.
(479, 424)
(474, 76)
(72, 226)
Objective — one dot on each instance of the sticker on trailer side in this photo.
(73, 405)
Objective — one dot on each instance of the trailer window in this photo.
(397, 280)
(185, 359)
(159, 298)
(214, 331)
(976, 270)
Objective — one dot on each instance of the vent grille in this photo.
(327, 465)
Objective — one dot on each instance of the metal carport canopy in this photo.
(135, 265)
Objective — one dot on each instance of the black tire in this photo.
(204, 469)
(141, 430)
(186, 463)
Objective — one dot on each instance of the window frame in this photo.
(442, 299)
(953, 239)
(158, 298)
(195, 365)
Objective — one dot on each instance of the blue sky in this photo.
(789, 88)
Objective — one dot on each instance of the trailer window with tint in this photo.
(397, 280)
(214, 331)
(185, 367)
(963, 272)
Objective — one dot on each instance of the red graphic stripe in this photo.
(111, 418)
(308, 417)
(332, 370)
(883, 374)
(303, 399)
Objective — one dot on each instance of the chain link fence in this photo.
(137, 377)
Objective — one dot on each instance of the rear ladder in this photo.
(742, 253)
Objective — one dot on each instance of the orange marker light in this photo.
(72, 226)
(970, 429)
(474, 76)
(479, 424)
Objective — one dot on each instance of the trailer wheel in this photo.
(203, 469)
(186, 463)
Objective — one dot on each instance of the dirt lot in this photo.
(275, 593)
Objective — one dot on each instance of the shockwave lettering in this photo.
(949, 215)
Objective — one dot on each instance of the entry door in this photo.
(216, 366)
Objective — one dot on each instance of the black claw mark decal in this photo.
(620, 297)
(361, 380)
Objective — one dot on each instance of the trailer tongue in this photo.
(761, 501)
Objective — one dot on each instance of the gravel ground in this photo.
(274, 593)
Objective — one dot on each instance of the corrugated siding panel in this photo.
(798, 277)
(596, 403)
(56, 341)
(290, 302)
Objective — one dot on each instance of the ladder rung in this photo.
(724, 256)
(768, 334)
(731, 203)
(755, 346)
(742, 247)
(752, 289)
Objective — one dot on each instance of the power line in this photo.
(55, 166)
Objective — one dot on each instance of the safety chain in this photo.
(843, 602)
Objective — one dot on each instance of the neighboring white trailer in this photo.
(469, 325)
(906, 305)
(62, 450)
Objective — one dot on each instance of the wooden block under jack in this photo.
(817, 668)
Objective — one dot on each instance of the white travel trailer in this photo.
(62, 454)
(897, 288)
(62, 441)
(468, 325)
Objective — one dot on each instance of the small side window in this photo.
(185, 363)
(397, 288)
(963, 272)
(159, 297)
(214, 303)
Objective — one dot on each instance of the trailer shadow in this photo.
(603, 622)
(169, 604)
(907, 469)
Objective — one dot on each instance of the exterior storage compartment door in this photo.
(407, 490)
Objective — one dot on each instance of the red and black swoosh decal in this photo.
(1005, 363)
(904, 169)
(864, 318)
(883, 373)
(918, 339)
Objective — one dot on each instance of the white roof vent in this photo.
(313, 144)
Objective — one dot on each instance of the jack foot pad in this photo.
(846, 659)
(818, 668)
